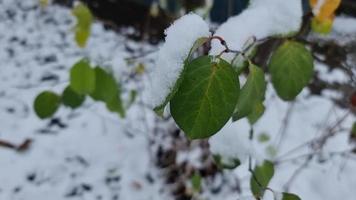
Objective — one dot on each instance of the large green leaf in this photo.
(198, 43)
(206, 97)
(82, 78)
(46, 104)
(83, 26)
(106, 87)
(263, 175)
(72, 99)
(291, 68)
(289, 196)
(252, 95)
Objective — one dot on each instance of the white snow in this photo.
(231, 143)
(263, 18)
(180, 37)
(345, 25)
(97, 145)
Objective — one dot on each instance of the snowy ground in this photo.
(94, 154)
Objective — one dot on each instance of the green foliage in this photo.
(264, 137)
(46, 104)
(72, 99)
(353, 132)
(251, 96)
(82, 78)
(289, 196)
(206, 97)
(231, 164)
(116, 105)
(261, 177)
(83, 26)
(105, 86)
(196, 182)
(291, 68)
(256, 114)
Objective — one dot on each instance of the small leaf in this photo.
(197, 44)
(196, 182)
(83, 26)
(206, 97)
(46, 104)
(133, 96)
(43, 3)
(291, 68)
(81, 36)
(71, 98)
(252, 93)
(264, 137)
(82, 78)
(263, 174)
(322, 27)
(256, 113)
(106, 87)
(289, 196)
(230, 164)
(160, 109)
(115, 105)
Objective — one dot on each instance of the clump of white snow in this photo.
(180, 37)
(345, 25)
(231, 143)
(263, 18)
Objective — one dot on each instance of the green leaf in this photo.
(263, 174)
(196, 182)
(256, 113)
(290, 196)
(83, 26)
(206, 97)
(46, 104)
(264, 137)
(198, 43)
(353, 132)
(230, 164)
(291, 67)
(106, 87)
(81, 36)
(160, 108)
(252, 94)
(72, 99)
(82, 78)
(115, 105)
(133, 96)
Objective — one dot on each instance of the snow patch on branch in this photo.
(180, 37)
(263, 18)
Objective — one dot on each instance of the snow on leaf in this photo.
(180, 37)
(263, 18)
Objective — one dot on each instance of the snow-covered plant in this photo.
(204, 93)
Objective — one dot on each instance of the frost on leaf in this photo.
(180, 37)
(263, 18)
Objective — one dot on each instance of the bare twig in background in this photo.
(24, 146)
